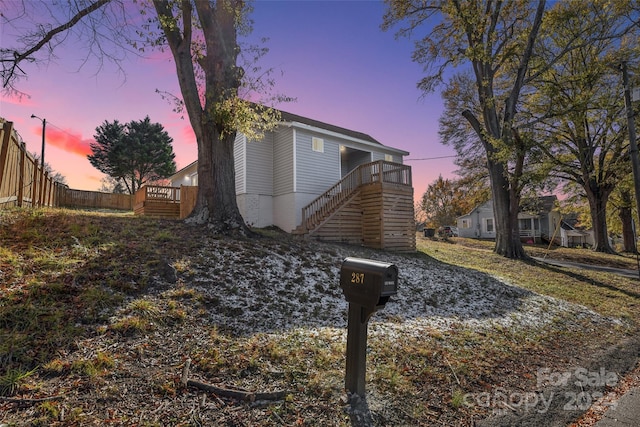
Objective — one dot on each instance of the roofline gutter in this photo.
(343, 136)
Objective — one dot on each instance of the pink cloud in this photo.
(67, 140)
(188, 136)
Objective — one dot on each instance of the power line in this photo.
(431, 158)
(62, 130)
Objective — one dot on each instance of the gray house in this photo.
(538, 220)
(305, 162)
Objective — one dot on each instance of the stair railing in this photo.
(324, 205)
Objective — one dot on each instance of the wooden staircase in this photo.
(354, 208)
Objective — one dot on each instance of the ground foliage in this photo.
(100, 312)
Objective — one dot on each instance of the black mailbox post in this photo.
(367, 286)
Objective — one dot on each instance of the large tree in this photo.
(522, 165)
(497, 40)
(133, 154)
(203, 39)
(578, 103)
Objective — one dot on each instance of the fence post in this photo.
(43, 188)
(21, 176)
(34, 185)
(7, 130)
(50, 192)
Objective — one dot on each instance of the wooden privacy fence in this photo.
(23, 182)
(70, 198)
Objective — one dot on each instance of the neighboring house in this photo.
(571, 237)
(297, 164)
(538, 220)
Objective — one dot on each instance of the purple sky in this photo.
(329, 55)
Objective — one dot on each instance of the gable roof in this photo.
(290, 117)
(538, 205)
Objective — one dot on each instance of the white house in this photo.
(293, 165)
(538, 220)
(571, 237)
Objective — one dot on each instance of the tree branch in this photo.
(9, 71)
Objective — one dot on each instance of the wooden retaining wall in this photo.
(398, 232)
(344, 226)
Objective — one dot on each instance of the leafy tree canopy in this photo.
(135, 153)
(444, 201)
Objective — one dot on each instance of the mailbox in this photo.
(368, 283)
(367, 286)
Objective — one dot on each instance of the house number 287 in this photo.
(357, 277)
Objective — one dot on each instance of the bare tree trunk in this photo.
(598, 198)
(506, 197)
(505, 208)
(216, 203)
(626, 217)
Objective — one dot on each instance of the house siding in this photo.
(185, 176)
(375, 156)
(259, 166)
(316, 171)
(477, 219)
(544, 223)
(239, 153)
(283, 167)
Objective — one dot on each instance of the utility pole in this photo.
(633, 146)
(44, 124)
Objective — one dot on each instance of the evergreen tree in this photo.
(133, 154)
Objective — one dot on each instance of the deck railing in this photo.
(158, 193)
(534, 234)
(324, 205)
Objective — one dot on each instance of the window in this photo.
(317, 144)
(388, 158)
(525, 224)
(466, 223)
(488, 225)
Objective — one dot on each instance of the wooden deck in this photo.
(371, 206)
(165, 202)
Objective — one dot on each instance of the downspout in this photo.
(295, 162)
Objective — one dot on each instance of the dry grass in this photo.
(99, 312)
(605, 293)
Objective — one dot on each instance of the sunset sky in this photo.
(329, 55)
